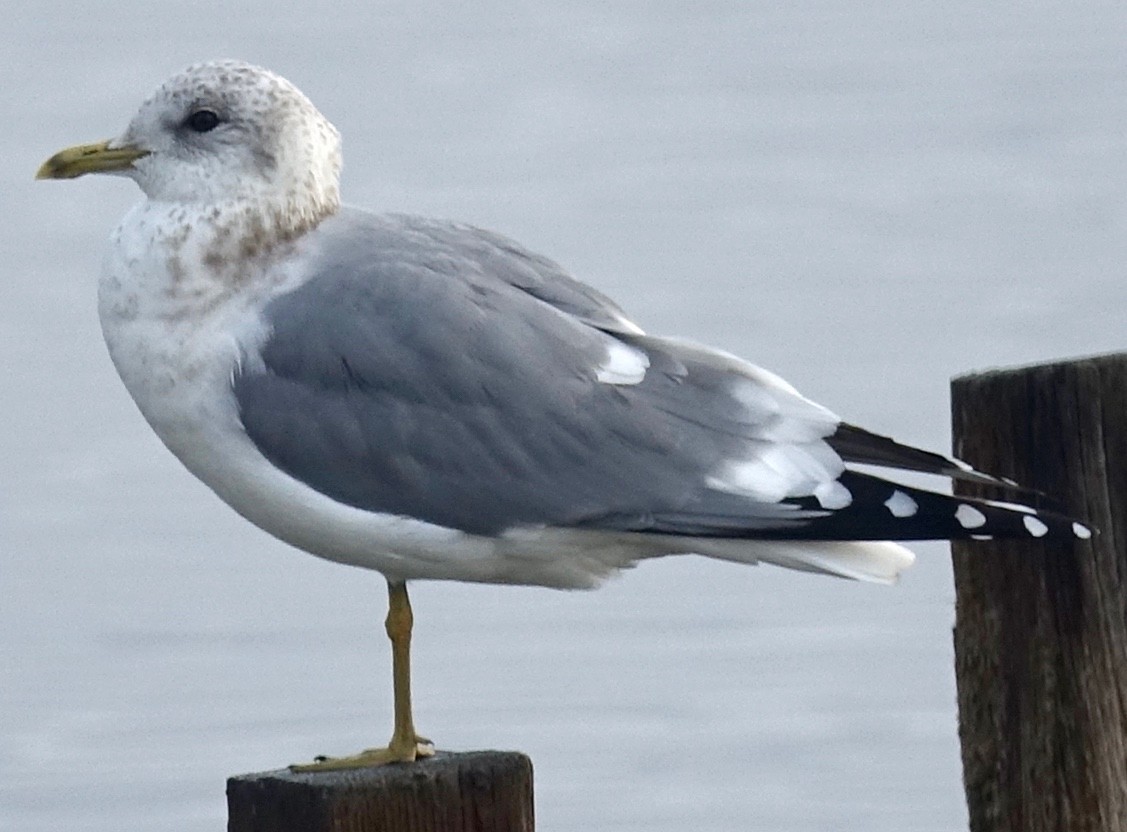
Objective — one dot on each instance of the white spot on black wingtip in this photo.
(1034, 526)
(901, 505)
(982, 537)
(969, 517)
(1081, 531)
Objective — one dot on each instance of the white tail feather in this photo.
(871, 561)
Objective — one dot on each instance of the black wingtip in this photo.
(883, 510)
(857, 446)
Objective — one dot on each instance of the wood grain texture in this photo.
(1041, 627)
(480, 791)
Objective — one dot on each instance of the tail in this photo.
(878, 562)
(846, 525)
(855, 538)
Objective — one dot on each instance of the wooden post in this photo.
(1041, 628)
(479, 791)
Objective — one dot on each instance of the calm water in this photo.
(868, 200)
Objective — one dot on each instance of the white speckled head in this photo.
(227, 131)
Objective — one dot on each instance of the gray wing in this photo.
(458, 249)
(427, 370)
(439, 372)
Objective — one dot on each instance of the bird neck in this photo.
(247, 229)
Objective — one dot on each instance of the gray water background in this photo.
(867, 198)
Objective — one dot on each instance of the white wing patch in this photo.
(833, 495)
(779, 415)
(624, 364)
(775, 472)
(786, 452)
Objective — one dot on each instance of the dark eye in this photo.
(202, 121)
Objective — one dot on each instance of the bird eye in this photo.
(202, 121)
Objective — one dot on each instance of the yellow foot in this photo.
(406, 752)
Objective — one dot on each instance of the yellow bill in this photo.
(89, 158)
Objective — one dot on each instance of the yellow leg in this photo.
(405, 745)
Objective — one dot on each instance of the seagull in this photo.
(435, 402)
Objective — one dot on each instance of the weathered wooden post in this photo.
(479, 791)
(1041, 629)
